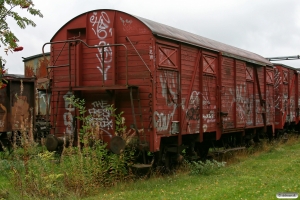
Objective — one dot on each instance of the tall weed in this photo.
(34, 172)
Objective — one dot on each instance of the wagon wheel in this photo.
(168, 163)
(202, 150)
(6, 144)
(169, 160)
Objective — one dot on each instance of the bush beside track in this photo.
(258, 173)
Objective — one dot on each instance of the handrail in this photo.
(89, 46)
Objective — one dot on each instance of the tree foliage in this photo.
(9, 8)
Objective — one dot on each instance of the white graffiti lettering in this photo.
(150, 52)
(127, 25)
(162, 121)
(101, 115)
(68, 116)
(101, 25)
(105, 54)
(168, 81)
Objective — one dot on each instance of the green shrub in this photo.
(204, 168)
(35, 173)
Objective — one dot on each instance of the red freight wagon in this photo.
(177, 88)
(287, 104)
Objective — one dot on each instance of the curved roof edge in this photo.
(286, 66)
(165, 31)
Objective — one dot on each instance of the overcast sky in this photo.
(266, 27)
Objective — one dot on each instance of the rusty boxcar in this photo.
(36, 67)
(16, 107)
(177, 89)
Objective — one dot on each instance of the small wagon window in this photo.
(79, 33)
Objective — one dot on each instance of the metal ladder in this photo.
(55, 115)
(134, 114)
(142, 143)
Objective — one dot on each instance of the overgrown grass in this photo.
(76, 173)
(32, 172)
(259, 174)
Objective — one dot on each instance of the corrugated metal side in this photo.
(21, 105)
(37, 66)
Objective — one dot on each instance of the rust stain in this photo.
(37, 67)
(29, 71)
(3, 117)
(20, 113)
(41, 70)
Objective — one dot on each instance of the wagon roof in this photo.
(286, 66)
(172, 33)
(35, 56)
(165, 31)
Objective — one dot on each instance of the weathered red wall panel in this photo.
(286, 94)
(259, 93)
(241, 91)
(209, 91)
(228, 93)
(190, 90)
(167, 88)
(250, 106)
(270, 107)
